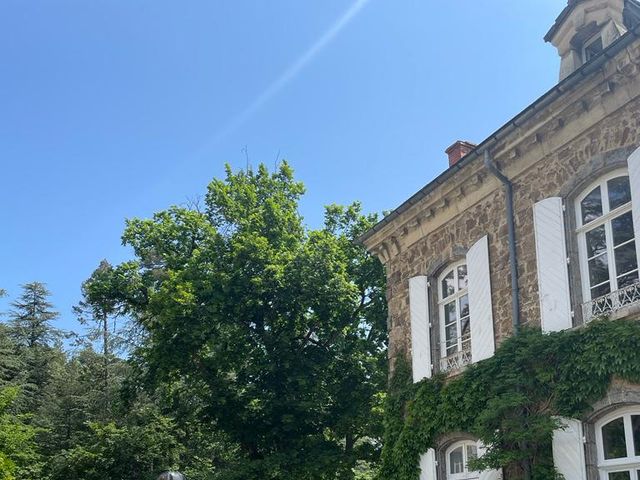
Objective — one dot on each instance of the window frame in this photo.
(628, 463)
(442, 302)
(589, 42)
(467, 474)
(605, 219)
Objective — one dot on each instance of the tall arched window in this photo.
(618, 442)
(453, 306)
(458, 456)
(606, 240)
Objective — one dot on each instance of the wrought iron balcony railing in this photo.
(457, 360)
(611, 302)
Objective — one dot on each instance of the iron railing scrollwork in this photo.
(609, 303)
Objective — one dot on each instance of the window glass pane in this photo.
(635, 424)
(619, 192)
(626, 258)
(596, 241)
(600, 290)
(591, 206)
(462, 277)
(456, 462)
(452, 334)
(593, 49)
(599, 269)
(613, 440)
(466, 329)
(464, 306)
(472, 453)
(451, 328)
(448, 287)
(622, 227)
(450, 314)
(620, 476)
(626, 281)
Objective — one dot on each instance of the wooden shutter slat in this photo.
(480, 307)
(551, 261)
(568, 450)
(420, 331)
(428, 465)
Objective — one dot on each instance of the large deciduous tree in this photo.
(276, 329)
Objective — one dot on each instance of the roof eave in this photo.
(542, 102)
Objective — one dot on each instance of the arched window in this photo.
(618, 442)
(458, 456)
(453, 307)
(606, 240)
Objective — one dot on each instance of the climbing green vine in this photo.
(509, 401)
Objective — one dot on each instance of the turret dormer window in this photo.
(592, 48)
(586, 28)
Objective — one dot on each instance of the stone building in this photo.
(534, 226)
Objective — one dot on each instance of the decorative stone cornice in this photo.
(544, 129)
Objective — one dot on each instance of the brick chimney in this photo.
(458, 150)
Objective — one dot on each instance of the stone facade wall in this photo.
(552, 161)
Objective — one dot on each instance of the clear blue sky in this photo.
(117, 109)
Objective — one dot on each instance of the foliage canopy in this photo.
(275, 330)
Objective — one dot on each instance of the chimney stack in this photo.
(458, 150)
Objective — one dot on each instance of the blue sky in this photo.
(113, 109)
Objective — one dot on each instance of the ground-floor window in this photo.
(458, 456)
(618, 441)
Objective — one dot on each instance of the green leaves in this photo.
(510, 401)
(18, 453)
(276, 329)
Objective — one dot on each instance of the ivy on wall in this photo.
(509, 401)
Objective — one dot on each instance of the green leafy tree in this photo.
(70, 400)
(277, 330)
(98, 310)
(138, 450)
(19, 458)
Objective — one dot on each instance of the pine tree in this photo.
(30, 328)
(10, 362)
(31, 317)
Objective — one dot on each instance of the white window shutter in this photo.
(482, 338)
(568, 450)
(420, 332)
(634, 180)
(553, 274)
(428, 465)
(487, 474)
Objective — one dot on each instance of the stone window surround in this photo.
(599, 165)
(619, 396)
(589, 42)
(443, 443)
(626, 414)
